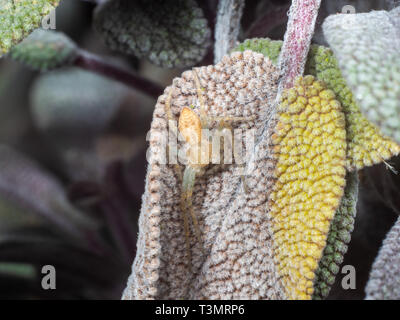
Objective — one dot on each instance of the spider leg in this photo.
(189, 178)
(194, 218)
(223, 124)
(203, 112)
(170, 117)
(168, 106)
(178, 173)
(187, 231)
(232, 119)
(184, 208)
(243, 179)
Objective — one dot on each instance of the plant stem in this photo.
(297, 40)
(92, 62)
(291, 62)
(227, 27)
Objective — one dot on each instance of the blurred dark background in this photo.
(73, 164)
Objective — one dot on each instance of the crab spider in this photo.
(190, 126)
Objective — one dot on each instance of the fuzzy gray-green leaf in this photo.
(168, 33)
(338, 239)
(384, 279)
(367, 47)
(18, 18)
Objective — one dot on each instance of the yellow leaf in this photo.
(310, 179)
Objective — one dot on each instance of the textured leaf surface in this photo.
(269, 48)
(338, 238)
(235, 258)
(303, 164)
(302, 16)
(169, 33)
(384, 280)
(44, 50)
(367, 46)
(310, 147)
(18, 18)
(366, 145)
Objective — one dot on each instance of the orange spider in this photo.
(190, 126)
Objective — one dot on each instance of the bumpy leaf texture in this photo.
(367, 46)
(294, 189)
(45, 50)
(18, 18)
(235, 258)
(310, 150)
(169, 33)
(366, 145)
(384, 280)
(338, 239)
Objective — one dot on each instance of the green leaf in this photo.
(170, 33)
(45, 50)
(267, 47)
(367, 47)
(366, 145)
(338, 239)
(18, 18)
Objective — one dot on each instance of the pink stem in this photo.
(297, 40)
